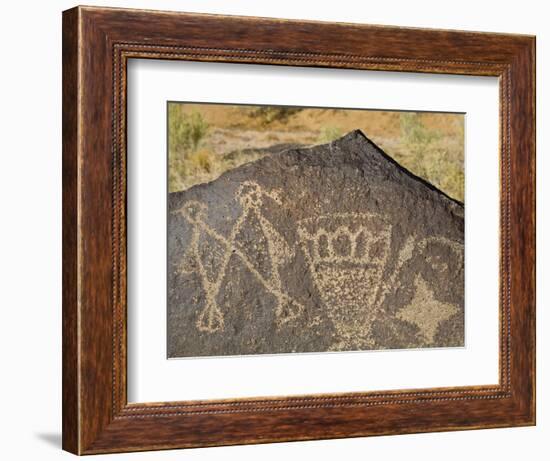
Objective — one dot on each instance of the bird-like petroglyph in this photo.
(347, 256)
(251, 197)
(333, 248)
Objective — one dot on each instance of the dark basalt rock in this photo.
(333, 247)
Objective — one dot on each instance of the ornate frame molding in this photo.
(97, 43)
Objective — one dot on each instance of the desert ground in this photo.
(206, 140)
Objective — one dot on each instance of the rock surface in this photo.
(330, 248)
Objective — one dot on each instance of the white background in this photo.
(30, 243)
(153, 378)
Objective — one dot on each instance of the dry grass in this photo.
(207, 139)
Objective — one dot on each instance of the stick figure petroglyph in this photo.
(251, 197)
(347, 255)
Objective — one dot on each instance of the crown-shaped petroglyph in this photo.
(344, 238)
(347, 256)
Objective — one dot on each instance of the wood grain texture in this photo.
(70, 384)
(97, 43)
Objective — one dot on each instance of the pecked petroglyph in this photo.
(251, 197)
(347, 265)
(425, 311)
(347, 254)
(332, 248)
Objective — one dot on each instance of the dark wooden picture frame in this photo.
(97, 44)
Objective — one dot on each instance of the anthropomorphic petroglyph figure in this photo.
(347, 255)
(334, 247)
(251, 197)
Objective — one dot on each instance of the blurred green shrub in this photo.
(186, 133)
(270, 114)
(427, 146)
(432, 156)
(329, 134)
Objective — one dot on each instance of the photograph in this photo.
(280, 227)
(313, 229)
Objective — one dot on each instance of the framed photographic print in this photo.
(284, 230)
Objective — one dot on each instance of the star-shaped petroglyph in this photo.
(346, 253)
(425, 311)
